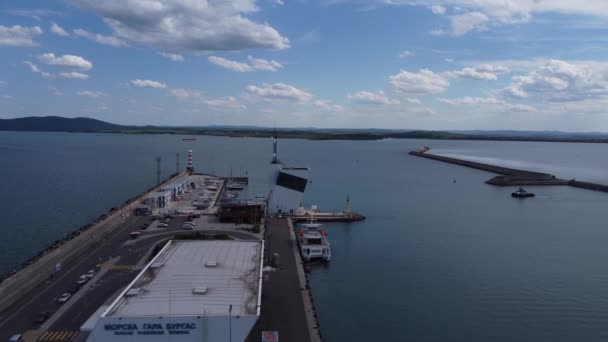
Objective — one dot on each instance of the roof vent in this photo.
(132, 292)
(211, 263)
(200, 290)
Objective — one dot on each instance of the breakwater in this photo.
(512, 177)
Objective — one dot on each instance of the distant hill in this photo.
(57, 124)
(61, 124)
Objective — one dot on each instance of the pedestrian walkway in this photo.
(122, 267)
(64, 335)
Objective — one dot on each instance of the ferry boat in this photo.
(521, 193)
(313, 242)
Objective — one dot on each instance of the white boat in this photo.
(211, 188)
(313, 242)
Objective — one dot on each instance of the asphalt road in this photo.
(19, 318)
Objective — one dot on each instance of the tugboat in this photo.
(313, 242)
(521, 193)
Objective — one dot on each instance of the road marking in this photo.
(63, 335)
(122, 267)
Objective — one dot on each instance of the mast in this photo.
(275, 141)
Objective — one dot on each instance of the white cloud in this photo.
(68, 61)
(413, 100)
(101, 39)
(561, 81)
(90, 93)
(464, 23)
(484, 72)
(489, 102)
(55, 91)
(252, 64)
(405, 54)
(280, 92)
(327, 105)
(19, 35)
(228, 103)
(33, 67)
(421, 83)
(172, 56)
(185, 94)
(58, 30)
(73, 75)
(438, 9)
(369, 97)
(277, 2)
(449, 60)
(2, 83)
(148, 83)
(187, 25)
(467, 100)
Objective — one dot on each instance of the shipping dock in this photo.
(161, 267)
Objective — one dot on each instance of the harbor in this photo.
(98, 284)
(510, 176)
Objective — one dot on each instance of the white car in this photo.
(82, 280)
(162, 225)
(90, 274)
(64, 298)
(188, 226)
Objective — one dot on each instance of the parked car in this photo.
(64, 298)
(162, 225)
(82, 280)
(90, 274)
(134, 235)
(187, 227)
(41, 318)
(15, 338)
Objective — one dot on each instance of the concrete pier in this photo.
(286, 302)
(512, 177)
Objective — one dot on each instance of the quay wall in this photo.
(68, 253)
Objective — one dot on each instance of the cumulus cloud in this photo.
(185, 94)
(228, 103)
(58, 30)
(328, 106)
(55, 91)
(423, 82)
(19, 35)
(33, 67)
(369, 97)
(148, 83)
(489, 102)
(71, 75)
(252, 64)
(484, 72)
(561, 81)
(90, 93)
(187, 25)
(280, 92)
(438, 9)
(405, 54)
(67, 61)
(172, 56)
(101, 39)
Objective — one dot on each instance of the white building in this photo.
(191, 291)
(176, 186)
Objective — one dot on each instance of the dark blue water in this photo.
(434, 261)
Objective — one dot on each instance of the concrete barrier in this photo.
(72, 250)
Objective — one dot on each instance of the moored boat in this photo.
(313, 242)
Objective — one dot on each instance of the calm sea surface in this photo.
(436, 260)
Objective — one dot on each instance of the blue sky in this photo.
(445, 64)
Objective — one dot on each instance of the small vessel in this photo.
(521, 193)
(188, 139)
(313, 242)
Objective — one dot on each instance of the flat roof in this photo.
(197, 277)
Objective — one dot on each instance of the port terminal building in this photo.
(195, 290)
